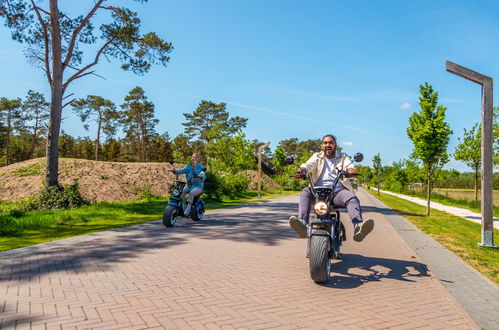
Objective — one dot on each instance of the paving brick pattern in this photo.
(240, 268)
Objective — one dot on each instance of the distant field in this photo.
(464, 194)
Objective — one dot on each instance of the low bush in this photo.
(288, 183)
(221, 184)
(57, 197)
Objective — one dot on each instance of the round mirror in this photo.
(171, 162)
(289, 160)
(358, 157)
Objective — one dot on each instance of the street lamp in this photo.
(487, 156)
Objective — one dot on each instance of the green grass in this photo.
(455, 233)
(30, 170)
(20, 228)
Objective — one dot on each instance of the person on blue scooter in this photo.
(323, 166)
(195, 181)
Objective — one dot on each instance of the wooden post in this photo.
(260, 167)
(487, 154)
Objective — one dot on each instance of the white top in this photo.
(328, 175)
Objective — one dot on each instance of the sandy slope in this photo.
(99, 181)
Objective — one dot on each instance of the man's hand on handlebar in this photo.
(300, 173)
(351, 172)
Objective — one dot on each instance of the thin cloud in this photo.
(377, 95)
(314, 94)
(405, 106)
(347, 143)
(281, 113)
(321, 121)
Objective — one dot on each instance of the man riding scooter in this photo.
(323, 166)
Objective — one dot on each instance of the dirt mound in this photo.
(99, 181)
(252, 176)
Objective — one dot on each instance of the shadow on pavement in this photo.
(354, 270)
(264, 223)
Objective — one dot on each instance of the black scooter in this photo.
(175, 207)
(326, 232)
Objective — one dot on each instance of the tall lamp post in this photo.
(260, 167)
(487, 155)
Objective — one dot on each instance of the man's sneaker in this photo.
(187, 211)
(299, 226)
(362, 229)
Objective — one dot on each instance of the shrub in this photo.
(57, 198)
(144, 192)
(221, 184)
(212, 186)
(234, 185)
(288, 183)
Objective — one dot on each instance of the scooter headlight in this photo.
(320, 208)
(176, 192)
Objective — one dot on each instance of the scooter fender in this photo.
(318, 233)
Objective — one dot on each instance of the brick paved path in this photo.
(242, 267)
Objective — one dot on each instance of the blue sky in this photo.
(299, 69)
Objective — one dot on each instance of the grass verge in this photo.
(455, 233)
(35, 227)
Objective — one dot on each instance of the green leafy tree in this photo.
(10, 115)
(377, 168)
(57, 42)
(399, 174)
(296, 148)
(290, 147)
(138, 120)
(279, 160)
(430, 134)
(35, 112)
(182, 149)
(469, 151)
(160, 148)
(231, 154)
(101, 111)
(267, 156)
(366, 174)
(112, 150)
(210, 121)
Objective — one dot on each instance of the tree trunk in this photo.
(428, 195)
(33, 140)
(378, 180)
(52, 168)
(97, 140)
(7, 138)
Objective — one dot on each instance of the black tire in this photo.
(170, 216)
(320, 266)
(197, 215)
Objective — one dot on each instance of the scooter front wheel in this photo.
(319, 263)
(170, 216)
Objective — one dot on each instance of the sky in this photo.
(297, 68)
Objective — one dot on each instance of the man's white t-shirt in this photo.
(328, 176)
